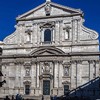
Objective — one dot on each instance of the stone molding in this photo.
(66, 82)
(47, 24)
(92, 34)
(91, 61)
(27, 64)
(46, 75)
(27, 82)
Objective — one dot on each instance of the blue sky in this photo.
(10, 9)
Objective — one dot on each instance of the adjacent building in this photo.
(50, 52)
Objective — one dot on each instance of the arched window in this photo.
(47, 35)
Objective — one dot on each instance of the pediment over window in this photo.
(47, 51)
(47, 25)
(65, 82)
(27, 82)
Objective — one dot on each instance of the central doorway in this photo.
(46, 87)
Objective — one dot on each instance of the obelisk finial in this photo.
(48, 0)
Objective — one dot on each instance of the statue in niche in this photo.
(66, 71)
(28, 37)
(27, 71)
(46, 67)
(66, 34)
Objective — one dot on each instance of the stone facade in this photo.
(50, 52)
(0, 65)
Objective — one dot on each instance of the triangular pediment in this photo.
(46, 51)
(56, 9)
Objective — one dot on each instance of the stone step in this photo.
(46, 97)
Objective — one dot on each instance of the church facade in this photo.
(50, 52)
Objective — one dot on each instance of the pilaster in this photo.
(60, 31)
(73, 74)
(38, 34)
(91, 68)
(78, 29)
(56, 75)
(35, 33)
(74, 30)
(37, 75)
(97, 67)
(22, 75)
(20, 29)
(79, 73)
(33, 75)
(60, 74)
(57, 32)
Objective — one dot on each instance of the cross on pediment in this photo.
(48, 0)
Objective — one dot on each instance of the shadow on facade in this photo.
(88, 91)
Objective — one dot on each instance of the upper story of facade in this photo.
(51, 24)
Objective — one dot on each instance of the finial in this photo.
(48, 0)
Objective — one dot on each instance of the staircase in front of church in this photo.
(46, 97)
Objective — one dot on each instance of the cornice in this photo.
(51, 55)
(30, 47)
(47, 17)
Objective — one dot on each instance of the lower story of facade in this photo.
(46, 77)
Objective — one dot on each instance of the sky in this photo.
(10, 9)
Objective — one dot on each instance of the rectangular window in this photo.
(27, 89)
(46, 87)
(66, 89)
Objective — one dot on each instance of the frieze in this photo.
(19, 62)
(79, 61)
(94, 61)
(73, 61)
(90, 61)
(76, 61)
(5, 63)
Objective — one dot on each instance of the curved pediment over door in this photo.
(47, 51)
